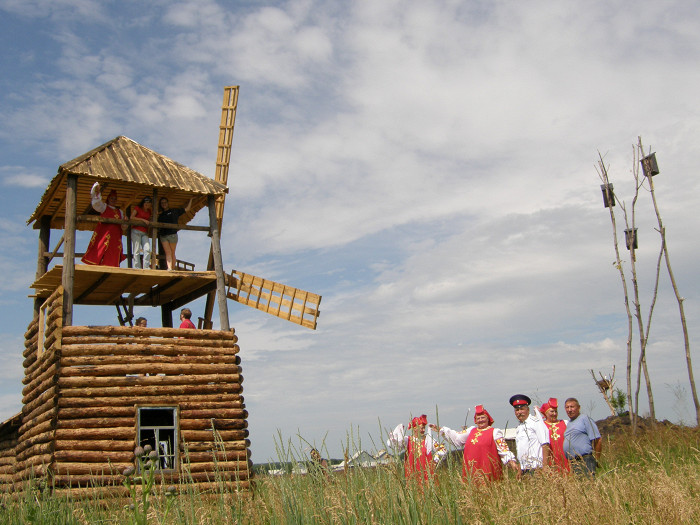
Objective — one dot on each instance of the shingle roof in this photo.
(134, 171)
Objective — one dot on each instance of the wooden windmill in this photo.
(93, 393)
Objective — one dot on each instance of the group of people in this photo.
(105, 247)
(541, 441)
(185, 320)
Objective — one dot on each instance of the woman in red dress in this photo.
(556, 433)
(423, 453)
(105, 246)
(485, 448)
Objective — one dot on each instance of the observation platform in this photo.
(106, 285)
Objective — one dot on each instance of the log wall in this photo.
(103, 374)
(34, 448)
(9, 431)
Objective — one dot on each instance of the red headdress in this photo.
(479, 409)
(422, 420)
(552, 403)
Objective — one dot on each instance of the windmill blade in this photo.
(280, 300)
(223, 152)
(223, 157)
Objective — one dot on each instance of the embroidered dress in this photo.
(556, 441)
(485, 452)
(419, 460)
(105, 246)
(422, 454)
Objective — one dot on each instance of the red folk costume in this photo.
(481, 455)
(485, 450)
(556, 436)
(422, 452)
(105, 246)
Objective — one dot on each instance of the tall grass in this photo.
(648, 478)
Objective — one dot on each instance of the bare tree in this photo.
(631, 243)
(609, 199)
(650, 169)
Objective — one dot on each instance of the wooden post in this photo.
(154, 231)
(166, 314)
(129, 251)
(69, 249)
(218, 264)
(42, 260)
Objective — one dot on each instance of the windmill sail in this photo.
(285, 302)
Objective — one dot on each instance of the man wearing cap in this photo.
(485, 448)
(105, 246)
(531, 436)
(582, 443)
(556, 428)
(423, 453)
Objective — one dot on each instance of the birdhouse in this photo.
(608, 195)
(631, 239)
(649, 165)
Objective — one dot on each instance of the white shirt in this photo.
(530, 435)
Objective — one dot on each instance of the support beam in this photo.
(218, 265)
(166, 314)
(69, 250)
(192, 296)
(154, 232)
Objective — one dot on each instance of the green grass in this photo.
(648, 478)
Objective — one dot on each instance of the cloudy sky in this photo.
(429, 168)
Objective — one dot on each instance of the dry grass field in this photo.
(651, 477)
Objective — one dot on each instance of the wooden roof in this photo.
(105, 285)
(134, 171)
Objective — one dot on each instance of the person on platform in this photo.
(141, 322)
(105, 247)
(168, 236)
(582, 443)
(556, 427)
(140, 240)
(185, 315)
(423, 453)
(531, 436)
(485, 449)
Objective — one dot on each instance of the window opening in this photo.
(44, 313)
(157, 426)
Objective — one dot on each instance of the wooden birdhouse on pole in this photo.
(92, 394)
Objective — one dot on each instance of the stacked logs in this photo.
(8, 443)
(106, 373)
(34, 449)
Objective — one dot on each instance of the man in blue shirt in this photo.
(582, 443)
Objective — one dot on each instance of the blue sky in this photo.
(427, 167)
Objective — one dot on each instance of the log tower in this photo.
(93, 393)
